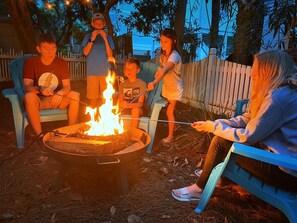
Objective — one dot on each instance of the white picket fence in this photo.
(76, 64)
(215, 84)
(5, 59)
(212, 84)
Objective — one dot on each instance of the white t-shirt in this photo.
(173, 84)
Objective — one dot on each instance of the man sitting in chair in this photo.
(47, 83)
(132, 92)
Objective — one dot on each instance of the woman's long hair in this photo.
(271, 70)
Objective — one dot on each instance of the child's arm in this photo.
(109, 51)
(90, 39)
(160, 74)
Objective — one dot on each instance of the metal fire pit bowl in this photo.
(93, 159)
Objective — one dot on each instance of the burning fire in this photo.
(105, 119)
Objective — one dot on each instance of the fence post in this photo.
(209, 76)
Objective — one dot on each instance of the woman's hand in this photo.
(203, 126)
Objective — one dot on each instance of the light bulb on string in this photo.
(49, 6)
(67, 2)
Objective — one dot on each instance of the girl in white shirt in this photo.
(170, 67)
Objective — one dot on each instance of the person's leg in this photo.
(135, 113)
(217, 151)
(93, 90)
(171, 119)
(72, 102)
(32, 106)
(102, 88)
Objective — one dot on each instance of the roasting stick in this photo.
(156, 120)
(176, 122)
(89, 105)
(134, 99)
(160, 120)
(74, 99)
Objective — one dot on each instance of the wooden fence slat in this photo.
(217, 86)
(247, 83)
(221, 83)
(77, 65)
(241, 77)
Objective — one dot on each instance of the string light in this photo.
(67, 2)
(49, 6)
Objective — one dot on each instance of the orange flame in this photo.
(107, 122)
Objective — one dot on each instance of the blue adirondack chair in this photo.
(285, 201)
(240, 105)
(16, 94)
(154, 103)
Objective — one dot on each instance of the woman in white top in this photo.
(170, 67)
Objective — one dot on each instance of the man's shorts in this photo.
(95, 86)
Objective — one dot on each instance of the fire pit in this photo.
(71, 148)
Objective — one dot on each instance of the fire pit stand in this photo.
(120, 171)
(94, 154)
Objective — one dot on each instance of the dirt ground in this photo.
(90, 195)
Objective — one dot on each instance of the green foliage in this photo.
(3, 8)
(281, 13)
(151, 16)
(61, 20)
(66, 20)
(191, 42)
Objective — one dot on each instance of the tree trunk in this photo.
(214, 29)
(23, 24)
(179, 24)
(109, 24)
(245, 24)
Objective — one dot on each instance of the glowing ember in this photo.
(106, 122)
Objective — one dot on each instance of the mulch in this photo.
(90, 194)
